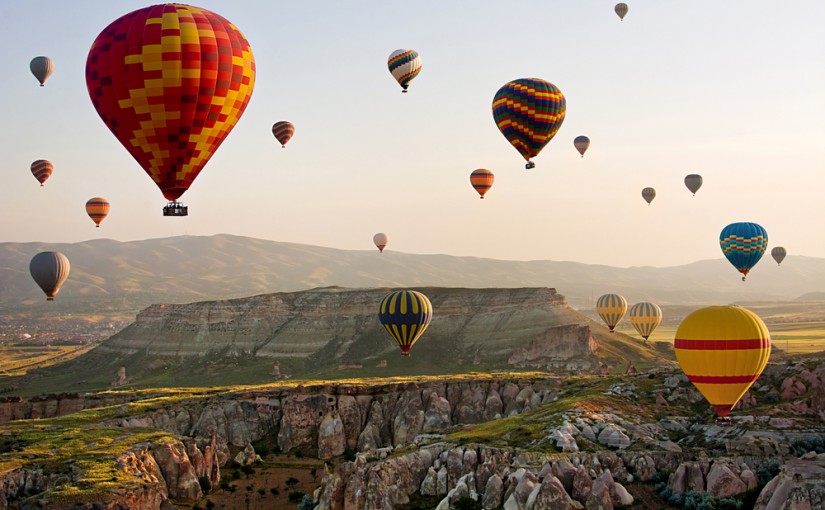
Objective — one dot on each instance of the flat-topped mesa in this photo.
(490, 324)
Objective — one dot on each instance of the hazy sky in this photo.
(731, 90)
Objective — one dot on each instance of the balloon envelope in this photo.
(49, 269)
(404, 66)
(41, 68)
(42, 170)
(722, 351)
(611, 308)
(380, 239)
(743, 244)
(97, 208)
(283, 131)
(778, 254)
(693, 182)
(645, 317)
(581, 143)
(482, 180)
(170, 82)
(405, 314)
(529, 113)
(621, 10)
(648, 194)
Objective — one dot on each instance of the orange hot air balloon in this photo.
(722, 350)
(97, 208)
(170, 82)
(41, 170)
(283, 131)
(482, 180)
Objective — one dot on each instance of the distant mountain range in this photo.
(110, 275)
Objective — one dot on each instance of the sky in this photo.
(734, 91)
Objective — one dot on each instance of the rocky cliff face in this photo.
(341, 324)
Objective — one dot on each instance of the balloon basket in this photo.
(49, 299)
(724, 421)
(175, 209)
(530, 165)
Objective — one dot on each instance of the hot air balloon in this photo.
(42, 170)
(380, 239)
(611, 308)
(42, 68)
(743, 245)
(482, 180)
(97, 208)
(648, 194)
(722, 350)
(621, 10)
(404, 66)
(645, 317)
(581, 143)
(778, 255)
(405, 314)
(529, 112)
(49, 270)
(693, 182)
(283, 131)
(170, 82)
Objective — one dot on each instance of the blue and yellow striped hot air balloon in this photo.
(645, 317)
(405, 314)
(722, 351)
(611, 308)
(529, 113)
(743, 244)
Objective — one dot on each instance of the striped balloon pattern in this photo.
(49, 269)
(529, 113)
(283, 131)
(779, 254)
(648, 194)
(170, 82)
(722, 351)
(645, 318)
(743, 244)
(482, 180)
(581, 143)
(621, 10)
(404, 66)
(611, 308)
(42, 170)
(97, 208)
(405, 314)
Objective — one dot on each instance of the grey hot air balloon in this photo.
(693, 182)
(621, 10)
(42, 68)
(648, 194)
(581, 143)
(778, 255)
(49, 270)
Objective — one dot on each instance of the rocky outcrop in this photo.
(800, 485)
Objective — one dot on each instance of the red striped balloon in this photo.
(482, 180)
(42, 170)
(97, 208)
(283, 131)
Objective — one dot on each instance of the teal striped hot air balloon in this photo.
(405, 314)
(743, 244)
(529, 113)
(611, 308)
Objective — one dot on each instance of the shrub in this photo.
(467, 503)
(262, 491)
(206, 484)
(306, 503)
(248, 470)
(274, 491)
(209, 505)
(295, 496)
(291, 482)
(766, 471)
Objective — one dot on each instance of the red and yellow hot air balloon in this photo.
(41, 170)
(482, 180)
(97, 208)
(722, 350)
(170, 82)
(283, 131)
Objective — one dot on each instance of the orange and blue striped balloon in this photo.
(722, 351)
(529, 113)
(482, 180)
(611, 308)
(97, 208)
(645, 317)
(42, 170)
(743, 244)
(405, 314)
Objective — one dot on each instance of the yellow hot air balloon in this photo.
(645, 317)
(611, 308)
(722, 350)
